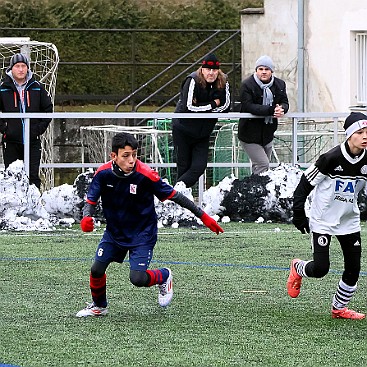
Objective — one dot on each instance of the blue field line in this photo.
(185, 263)
(45, 259)
(242, 266)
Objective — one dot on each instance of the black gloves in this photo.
(300, 221)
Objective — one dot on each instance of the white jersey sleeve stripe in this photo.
(190, 98)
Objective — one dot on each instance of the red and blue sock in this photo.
(157, 276)
(98, 290)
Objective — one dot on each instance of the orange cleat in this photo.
(294, 281)
(346, 313)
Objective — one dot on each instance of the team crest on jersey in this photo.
(339, 168)
(364, 170)
(133, 189)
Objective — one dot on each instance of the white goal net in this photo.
(44, 60)
(155, 145)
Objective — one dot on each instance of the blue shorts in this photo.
(139, 256)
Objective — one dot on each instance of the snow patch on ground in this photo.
(263, 198)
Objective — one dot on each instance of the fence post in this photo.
(294, 140)
(27, 129)
(201, 189)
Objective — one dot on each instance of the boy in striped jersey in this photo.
(336, 178)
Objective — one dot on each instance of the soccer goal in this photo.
(155, 145)
(44, 60)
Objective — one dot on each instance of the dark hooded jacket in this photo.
(36, 99)
(256, 131)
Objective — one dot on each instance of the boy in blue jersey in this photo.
(127, 188)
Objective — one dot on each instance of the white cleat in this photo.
(92, 310)
(166, 291)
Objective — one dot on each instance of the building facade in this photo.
(319, 48)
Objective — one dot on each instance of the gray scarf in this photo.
(267, 95)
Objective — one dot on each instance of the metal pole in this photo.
(300, 80)
(336, 130)
(300, 68)
(27, 129)
(294, 141)
(201, 189)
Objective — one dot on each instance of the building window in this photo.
(361, 61)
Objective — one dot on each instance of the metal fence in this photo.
(300, 138)
(162, 75)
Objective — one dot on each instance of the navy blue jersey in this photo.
(128, 202)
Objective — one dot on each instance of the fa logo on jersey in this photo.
(345, 186)
(364, 170)
(133, 189)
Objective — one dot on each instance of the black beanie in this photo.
(210, 62)
(354, 122)
(18, 58)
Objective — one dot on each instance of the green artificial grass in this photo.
(230, 305)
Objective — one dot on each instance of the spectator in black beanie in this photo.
(204, 90)
(20, 92)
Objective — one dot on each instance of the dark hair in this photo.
(120, 140)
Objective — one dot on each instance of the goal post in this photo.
(153, 143)
(44, 60)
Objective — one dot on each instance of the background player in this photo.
(127, 188)
(337, 176)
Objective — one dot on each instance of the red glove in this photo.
(211, 223)
(87, 224)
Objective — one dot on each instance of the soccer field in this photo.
(230, 305)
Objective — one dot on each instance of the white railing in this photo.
(297, 131)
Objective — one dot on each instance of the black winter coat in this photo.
(36, 100)
(251, 98)
(202, 101)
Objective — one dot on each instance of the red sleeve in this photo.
(170, 196)
(145, 170)
(91, 202)
(104, 166)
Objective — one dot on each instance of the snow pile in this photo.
(279, 200)
(172, 214)
(265, 197)
(213, 197)
(21, 206)
(62, 201)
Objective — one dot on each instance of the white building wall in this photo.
(272, 33)
(330, 52)
(329, 48)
